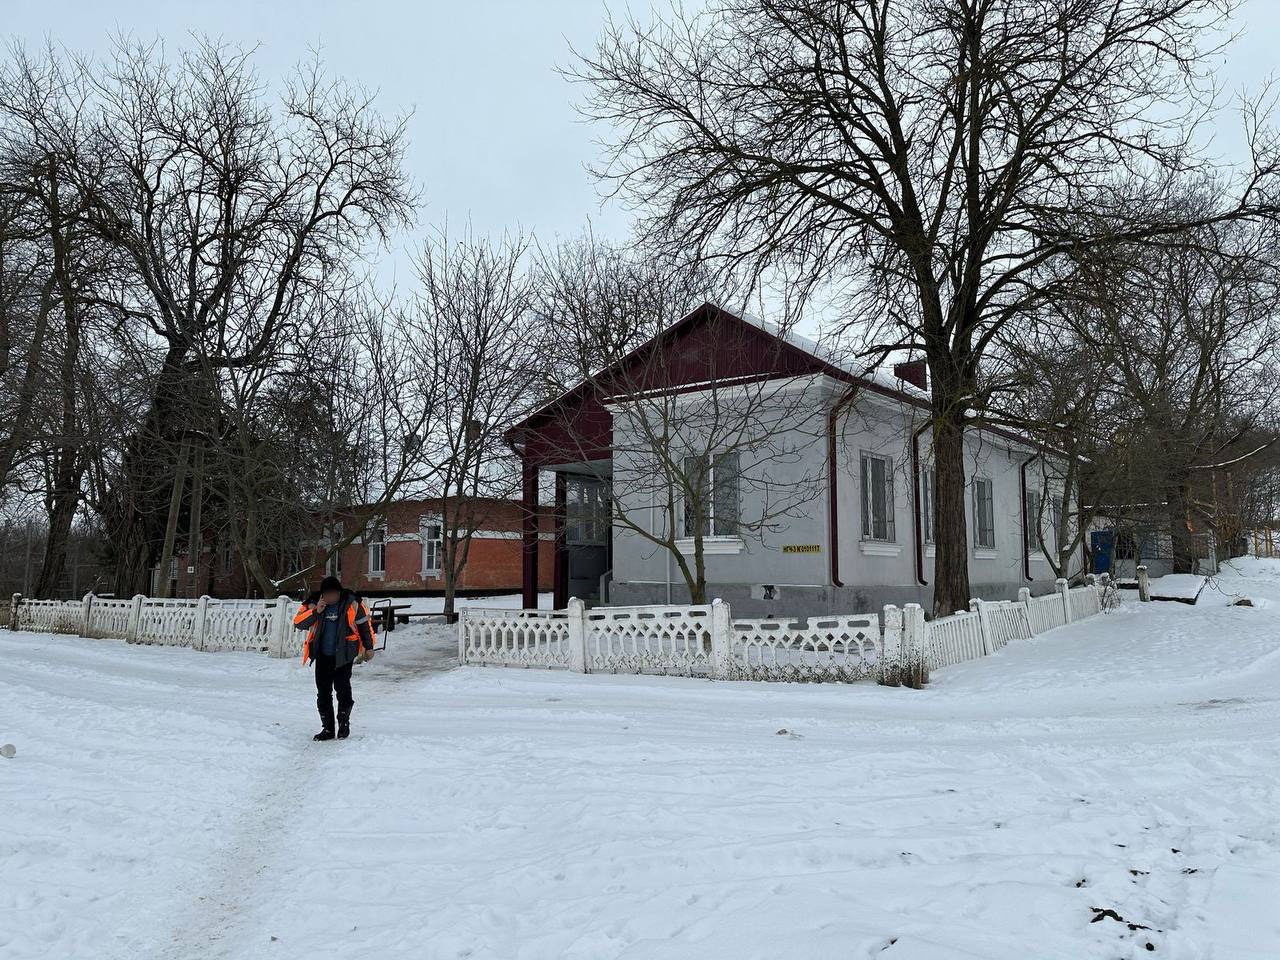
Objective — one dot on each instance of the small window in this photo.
(928, 504)
(984, 518)
(877, 498)
(715, 482)
(1031, 534)
(378, 551)
(1055, 522)
(431, 532)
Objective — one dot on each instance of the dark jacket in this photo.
(352, 612)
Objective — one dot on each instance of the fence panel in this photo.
(169, 623)
(652, 639)
(109, 619)
(954, 639)
(518, 638)
(1045, 613)
(239, 625)
(1008, 621)
(50, 616)
(840, 648)
(1084, 602)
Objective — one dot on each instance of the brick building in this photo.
(403, 555)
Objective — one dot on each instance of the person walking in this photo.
(339, 635)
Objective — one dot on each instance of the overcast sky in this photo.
(494, 136)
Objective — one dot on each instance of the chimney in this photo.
(914, 372)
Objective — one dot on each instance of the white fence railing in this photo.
(263, 626)
(706, 641)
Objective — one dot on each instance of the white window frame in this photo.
(888, 497)
(717, 527)
(978, 542)
(425, 522)
(376, 545)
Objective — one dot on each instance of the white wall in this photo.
(876, 425)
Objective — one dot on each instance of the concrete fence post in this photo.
(86, 611)
(1144, 584)
(464, 624)
(135, 619)
(281, 624)
(199, 625)
(1064, 590)
(891, 648)
(15, 605)
(577, 617)
(721, 639)
(915, 655)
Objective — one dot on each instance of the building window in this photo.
(431, 533)
(928, 508)
(877, 498)
(715, 482)
(333, 562)
(378, 551)
(984, 517)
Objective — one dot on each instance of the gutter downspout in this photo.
(1026, 525)
(915, 474)
(833, 506)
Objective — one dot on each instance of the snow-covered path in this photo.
(169, 804)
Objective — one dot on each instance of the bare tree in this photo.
(925, 160)
(471, 324)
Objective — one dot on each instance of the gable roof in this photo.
(777, 352)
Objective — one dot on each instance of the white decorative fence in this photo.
(705, 641)
(262, 626)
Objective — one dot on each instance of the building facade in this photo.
(849, 451)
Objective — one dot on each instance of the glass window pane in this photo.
(724, 509)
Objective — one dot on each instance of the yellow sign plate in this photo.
(802, 548)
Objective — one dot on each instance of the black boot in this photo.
(344, 726)
(325, 734)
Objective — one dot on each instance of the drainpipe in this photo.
(1026, 521)
(833, 506)
(915, 474)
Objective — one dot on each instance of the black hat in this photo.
(330, 583)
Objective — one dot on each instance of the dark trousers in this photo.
(331, 678)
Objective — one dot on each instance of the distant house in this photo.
(403, 553)
(866, 537)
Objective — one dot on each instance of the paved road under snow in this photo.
(169, 804)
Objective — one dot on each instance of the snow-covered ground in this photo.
(169, 804)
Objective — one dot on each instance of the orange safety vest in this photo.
(353, 630)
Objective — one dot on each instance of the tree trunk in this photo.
(171, 527)
(63, 501)
(1185, 548)
(951, 567)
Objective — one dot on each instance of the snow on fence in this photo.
(705, 641)
(263, 626)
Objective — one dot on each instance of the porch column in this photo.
(560, 567)
(529, 534)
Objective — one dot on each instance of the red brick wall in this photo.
(493, 562)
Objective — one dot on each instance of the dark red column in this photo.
(529, 534)
(560, 575)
